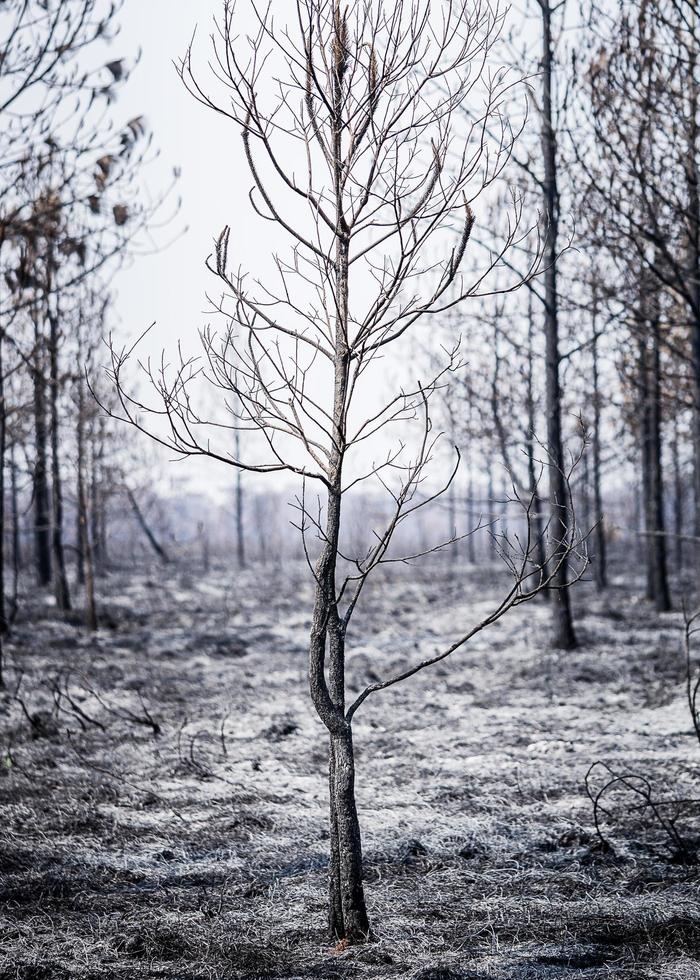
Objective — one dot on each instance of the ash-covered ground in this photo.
(163, 787)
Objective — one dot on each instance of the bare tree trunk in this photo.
(97, 500)
(347, 910)
(3, 447)
(42, 526)
(59, 562)
(203, 538)
(638, 496)
(600, 568)
(143, 524)
(662, 595)
(452, 505)
(563, 636)
(471, 540)
(60, 579)
(90, 603)
(657, 575)
(80, 516)
(260, 528)
(645, 438)
(86, 565)
(16, 544)
(693, 277)
(240, 540)
(677, 497)
(695, 348)
(348, 918)
(532, 474)
(491, 513)
(585, 497)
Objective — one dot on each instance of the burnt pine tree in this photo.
(563, 635)
(354, 134)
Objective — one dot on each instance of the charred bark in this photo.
(563, 635)
(678, 497)
(532, 474)
(86, 573)
(61, 591)
(42, 520)
(653, 488)
(143, 524)
(3, 448)
(600, 558)
(16, 542)
(240, 539)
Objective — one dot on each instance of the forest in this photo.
(348, 623)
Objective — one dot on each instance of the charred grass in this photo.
(194, 845)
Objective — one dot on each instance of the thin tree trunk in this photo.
(42, 528)
(491, 513)
(638, 495)
(58, 554)
(16, 544)
(532, 474)
(677, 497)
(693, 232)
(90, 603)
(600, 566)
(662, 596)
(563, 636)
(585, 504)
(240, 540)
(471, 540)
(86, 564)
(260, 526)
(645, 438)
(452, 505)
(348, 918)
(650, 370)
(97, 500)
(3, 446)
(81, 502)
(143, 524)
(203, 536)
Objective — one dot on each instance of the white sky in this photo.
(169, 288)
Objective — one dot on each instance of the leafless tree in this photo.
(356, 143)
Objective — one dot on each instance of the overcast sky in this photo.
(168, 288)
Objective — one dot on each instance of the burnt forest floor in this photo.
(163, 789)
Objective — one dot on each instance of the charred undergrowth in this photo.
(201, 851)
